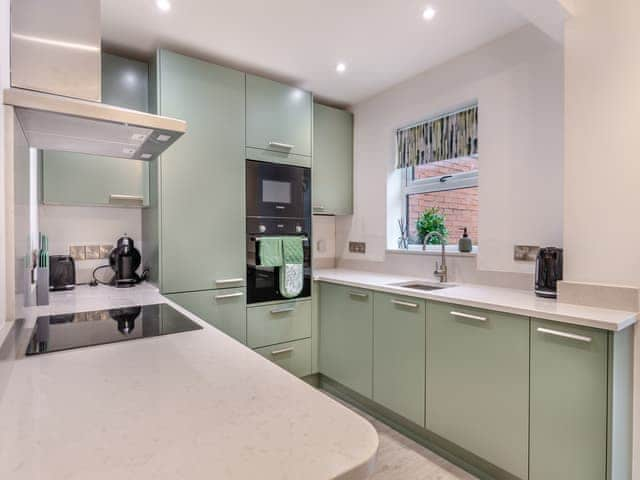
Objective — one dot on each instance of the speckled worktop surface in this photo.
(520, 302)
(193, 405)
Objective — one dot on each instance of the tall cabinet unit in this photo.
(332, 161)
(197, 195)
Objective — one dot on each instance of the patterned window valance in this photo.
(449, 136)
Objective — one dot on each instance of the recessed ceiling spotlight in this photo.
(341, 68)
(163, 5)
(429, 13)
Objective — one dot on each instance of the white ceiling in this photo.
(383, 42)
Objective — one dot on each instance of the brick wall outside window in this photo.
(460, 207)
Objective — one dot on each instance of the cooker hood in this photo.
(56, 86)
(53, 122)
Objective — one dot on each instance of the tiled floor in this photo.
(400, 458)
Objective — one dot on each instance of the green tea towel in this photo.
(292, 270)
(270, 252)
(292, 252)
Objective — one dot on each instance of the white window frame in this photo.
(454, 181)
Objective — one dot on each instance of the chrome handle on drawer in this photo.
(116, 197)
(281, 145)
(319, 208)
(571, 336)
(280, 207)
(284, 350)
(469, 316)
(229, 280)
(290, 308)
(404, 304)
(358, 294)
(229, 295)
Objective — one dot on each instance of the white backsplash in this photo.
(76, 225)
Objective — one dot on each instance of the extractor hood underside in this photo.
(52, 122)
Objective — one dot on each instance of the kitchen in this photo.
(277, 249)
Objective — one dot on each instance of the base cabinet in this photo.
(295, 357)
(224, 309)
(478, 383)
(568, 402)
(399, 355)
(346, 336)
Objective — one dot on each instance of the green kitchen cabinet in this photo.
(279, 323)
(568, 402)
(224, 309)
(477, 393)
(79, 179)
(346, 336)
(278, 117)
(399, 345)
(332, 161)
(295, 357)
(200, 180)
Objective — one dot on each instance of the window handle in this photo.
(444, 178)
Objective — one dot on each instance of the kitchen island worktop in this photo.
(508, 300)
(190, 405)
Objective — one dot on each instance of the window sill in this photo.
(433, 250)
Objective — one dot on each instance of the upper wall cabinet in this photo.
(79, 179)
(332, 161)
(278, 117)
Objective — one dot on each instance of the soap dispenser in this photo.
(464, 244)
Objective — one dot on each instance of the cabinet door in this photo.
(278, 117)
(224, 309)
(568, 402)
(399, 355)
(80, 179)
(332, 161)
(202, 180)
(478, 383)
(346, 336)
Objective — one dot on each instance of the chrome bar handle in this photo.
(116, 197)
(229, 295)
(281, 145)
(280, 352)
(404, 304)
(358, 294)
(229, 280)
(557, 333)
(283, 310)
(469, 316)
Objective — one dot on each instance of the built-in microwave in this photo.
(277, 190)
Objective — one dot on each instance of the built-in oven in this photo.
(276, 190)
(278, 204)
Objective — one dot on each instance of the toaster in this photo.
(62, 272)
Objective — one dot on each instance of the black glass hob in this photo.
(52, 333)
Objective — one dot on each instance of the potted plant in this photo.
(431, 220)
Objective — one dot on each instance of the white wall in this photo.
(602, 166)
(71, 225)
(518, 83)
(4, 82)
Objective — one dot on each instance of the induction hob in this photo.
(65, 331)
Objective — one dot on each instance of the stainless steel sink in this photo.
(425, 287)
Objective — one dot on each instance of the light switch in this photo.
(357, 247)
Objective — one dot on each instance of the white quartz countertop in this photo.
(519, 302)
(192, 405)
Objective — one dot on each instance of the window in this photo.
(451, 187)
(439, 163)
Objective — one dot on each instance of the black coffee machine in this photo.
(548, 272)
(125, 260)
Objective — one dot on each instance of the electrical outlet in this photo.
(77, 252)
(357, 247)
(105, 250)
(92, 252)
(525, 253)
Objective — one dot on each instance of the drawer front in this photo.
(271, 324)
(568, 402)
(399, 355)
(478, 382)
(346, 336)
(224, 309)
(295, 357)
